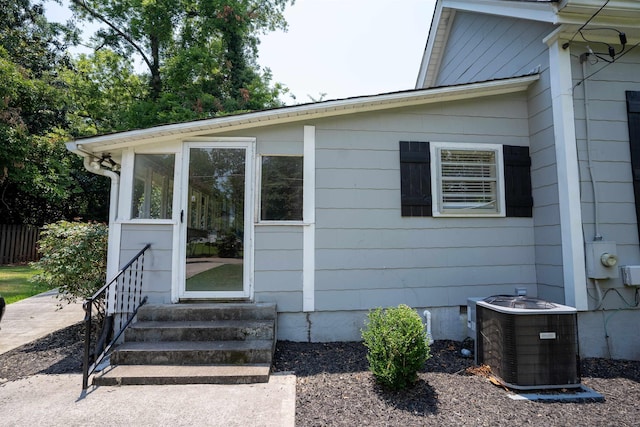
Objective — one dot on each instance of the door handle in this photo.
(182, 216)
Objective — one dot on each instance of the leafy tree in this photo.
(38, 177)
(102, 88)
(199, 54)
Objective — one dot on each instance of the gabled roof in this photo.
(298, 113)
(568, 15)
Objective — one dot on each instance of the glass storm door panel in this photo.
(215, 222)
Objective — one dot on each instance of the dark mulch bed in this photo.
(335, 388)
(57, 353)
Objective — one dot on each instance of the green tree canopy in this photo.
(199, 55)
(39, 181)
(200, 59)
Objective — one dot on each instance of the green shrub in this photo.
(397, 345)
(74, 258)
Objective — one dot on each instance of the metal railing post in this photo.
(92, 360)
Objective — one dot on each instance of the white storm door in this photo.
(216, 220)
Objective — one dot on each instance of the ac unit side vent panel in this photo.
(510, 344)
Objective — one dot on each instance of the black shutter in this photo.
(633, 113)
(415, 178)
(517, 181)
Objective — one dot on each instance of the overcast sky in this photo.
(342, 48)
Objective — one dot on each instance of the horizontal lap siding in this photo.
(610, 156)
(368, 255)
(484, 47)
(158, 259)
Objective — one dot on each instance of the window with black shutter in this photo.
(470, 179)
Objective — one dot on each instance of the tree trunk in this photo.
(156, 80)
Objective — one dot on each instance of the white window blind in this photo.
(468, 180)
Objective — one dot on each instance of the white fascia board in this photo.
(588, 7)
(621, 14)
(533, 11)
(325, 109)
(436, 44)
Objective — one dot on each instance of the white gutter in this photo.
(306, 112)
(114, 229)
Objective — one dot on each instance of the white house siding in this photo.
(278, 255)
(278, 266)
(544, 179)
(158, 259)
(608, 333)
(485, 47)
(368, 255)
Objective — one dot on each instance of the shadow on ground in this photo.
(419, 399)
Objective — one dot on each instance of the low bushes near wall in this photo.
(74, 258)
(397, 346)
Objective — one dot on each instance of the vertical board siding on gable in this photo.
(368, 255)
(486, 47)
(158, 260)
(610, 157)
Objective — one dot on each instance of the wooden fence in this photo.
(18, 244)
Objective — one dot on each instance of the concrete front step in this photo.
(206, 312)
(200, 343)
(223, 330)
(170, 374)
(193, 352)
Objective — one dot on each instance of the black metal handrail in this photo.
(118, 302)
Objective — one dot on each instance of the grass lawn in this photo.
(15, 285)
(227, 277)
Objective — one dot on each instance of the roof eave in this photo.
(117, 141)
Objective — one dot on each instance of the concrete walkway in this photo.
(57, 400)
(32, 318)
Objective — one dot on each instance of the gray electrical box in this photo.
(631, 275)
(602, 260)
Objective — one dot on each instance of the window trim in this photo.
(436, 178)
(258, 205)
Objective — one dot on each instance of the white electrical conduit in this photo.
(596, 215)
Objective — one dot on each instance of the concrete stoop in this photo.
(231, 343)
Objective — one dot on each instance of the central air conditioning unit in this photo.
(527, 342)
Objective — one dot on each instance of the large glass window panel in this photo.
(153, 186)
(281, 188)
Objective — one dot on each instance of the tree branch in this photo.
(83, 4)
